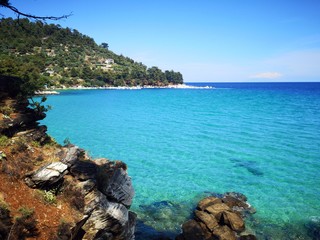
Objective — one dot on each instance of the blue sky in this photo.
(206, 40)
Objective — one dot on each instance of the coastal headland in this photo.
(49, 191)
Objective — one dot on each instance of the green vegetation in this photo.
(49, 55)
(6, 110)
(4, 141)
(48, 196)
(25, 225)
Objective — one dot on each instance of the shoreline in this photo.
(178, 86)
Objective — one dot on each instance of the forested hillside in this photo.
(63, 57)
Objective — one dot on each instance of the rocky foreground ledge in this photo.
(104, 186)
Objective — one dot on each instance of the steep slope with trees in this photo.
(63, 57)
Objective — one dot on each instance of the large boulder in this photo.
(47, 175)
(233, 220)
(208, 201)
(208, 219)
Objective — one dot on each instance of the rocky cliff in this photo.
(49, 191)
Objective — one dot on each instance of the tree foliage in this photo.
(54, 56)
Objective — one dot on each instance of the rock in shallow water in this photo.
(217, 218)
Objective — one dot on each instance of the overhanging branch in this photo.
(14, 9)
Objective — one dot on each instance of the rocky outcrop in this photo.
(219, 218)
(105, 187)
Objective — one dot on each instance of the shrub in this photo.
(4, 141)
(35, 144)
(5, 220)
(2, 155)
(63, 232)
(25, 225)
(48, 196)
(6, 110)
(17, 167)
(20, 145)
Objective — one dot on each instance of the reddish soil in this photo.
(16, 194)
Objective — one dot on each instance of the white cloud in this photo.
(302, 64)
(267, 75)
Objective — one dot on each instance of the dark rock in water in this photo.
(218, 218)
(156, 206)
(314, 227)
(213, 194)
(236, 195)
(162, 204)
(144, 232)
(165, 216)
(252, 170)
(251, 166)
(192, 230)
(248, 237)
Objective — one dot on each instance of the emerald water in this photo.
(261, 139)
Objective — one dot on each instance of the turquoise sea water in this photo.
(262, 140)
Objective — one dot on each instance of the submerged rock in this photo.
(192, 230)
(250, 166)
(313, 225)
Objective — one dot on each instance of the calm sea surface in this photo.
(260, 139)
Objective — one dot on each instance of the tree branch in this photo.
(14, 9)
